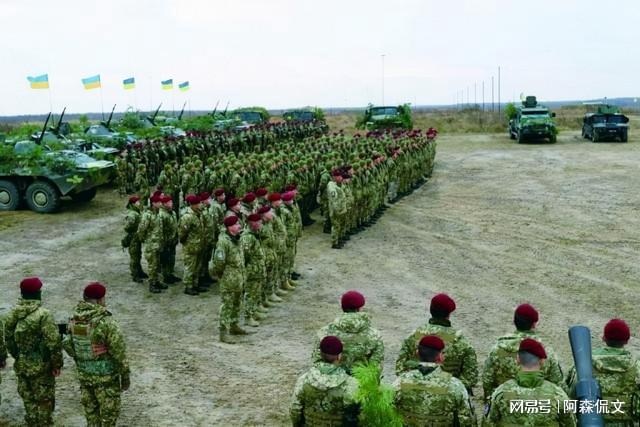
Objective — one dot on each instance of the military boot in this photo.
(262, 309)
(252, 322)
(137, 279)
(162, 286)
(259, 316)
(237, 330)
(153, 288)
(224, 336)
(281, 292)
(288, 285)
(143, 275)
(275, 298)
(295, 276)
(191, 291)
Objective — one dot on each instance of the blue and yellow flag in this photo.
(92, 82)
(184, 86)
(129, 83)
(167, 84)
(39, 82)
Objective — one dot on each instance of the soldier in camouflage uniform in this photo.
(269, 244)
(95, 343)
(501, 366)
(256, 269)
(33, 340)
(529, 385)
(294, 231)
(361, 342)
(141, 182)
(209, 236)
(228, 264)
(337, 209)
(151, 233)
(618, 373)
(459, 357)
(325, 395)
(190, 231)
(131, 241)
(168, 253)
(3, 352)
(430, 396)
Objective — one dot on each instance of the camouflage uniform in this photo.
(227, 263)
(190, 231)
(337, 209)
(132, 242)
(501, 364)
(168, 252)
(34, 342)
(618, 373)
(459, 357)
(97, 346)
(151, 232)
(280, 233)
(361, 343)
(141, 184)
(3, 352)
(269, 245)
(429, 396)
(324, 396)
(528, 386)
(256, 269)
(294, 232)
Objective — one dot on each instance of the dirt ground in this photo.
(497, 225)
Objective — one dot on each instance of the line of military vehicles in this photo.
(54, 162)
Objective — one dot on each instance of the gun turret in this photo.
(152, 119)
(56, 131)
(44, 129)
(182, 111)
(108, 123)
(224, 113)
(587, 388)
(213, 114)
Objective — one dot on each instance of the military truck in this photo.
(31, 172)
(386, 117)
(532, 121)
(606, 124)
(303, 115)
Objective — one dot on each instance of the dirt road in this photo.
(498, 224)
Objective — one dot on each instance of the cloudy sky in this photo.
(287, 53)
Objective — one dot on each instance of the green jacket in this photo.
(227, 262)
(190, 231)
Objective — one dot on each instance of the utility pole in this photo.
(498, 90)
(475, 94)
(383, 55)
(492, 99)
(467, 96)
(483, 96)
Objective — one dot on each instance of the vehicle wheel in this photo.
(9, 196)
(511, 135)
(594, 137)
(84, 196)
(553, 138)
(43, 197)
(624, 137)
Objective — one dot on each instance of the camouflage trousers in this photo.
(292, 249)
(205, 257)
(101, 403)
(337, 229)
(252, 295)
(168, 260)
(38, 396)
(268, 286)
(231, 286)
(152, 255)
(191, 269)
(281, 269)
(135, 256)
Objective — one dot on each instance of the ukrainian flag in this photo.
(91, 82)
(39, 82)
(129, 83)
(167, 84)
(184, 86)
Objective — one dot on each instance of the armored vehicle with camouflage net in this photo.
(303, 115)
(30, 171)
(606, 124)
(386, 117)
(532, 121)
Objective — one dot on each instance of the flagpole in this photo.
(101, 102)
(50, 101)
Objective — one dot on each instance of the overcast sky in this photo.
(287, 53)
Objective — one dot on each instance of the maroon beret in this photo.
(290, 187)
(352, 300)
(232, 202)
(165, 198)
(134, 199)
(157, 193)
(534, 347)
(204, 195)
(192, 199)
(94, 290)
(254, 217)
(249, 198)
(156, 198)
(432, 341)
(331, 345)
(274, 197)
(443, 302)
(30, 285)
(264, 209)
(617, 330)
(218, 192)
(261, 192)
(336, 172)
(288, 196)
(230, 220)
(526, 311)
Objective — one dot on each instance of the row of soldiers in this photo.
(437, 369)
(247, 245)
(92, 338)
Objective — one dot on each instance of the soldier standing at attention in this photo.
(529, 385)
(361, 343)
(131, 240)
(190, 230)
(169, 220)
(209, 226)
(97, 346)
(269, 243)
(618, 373)
(459, 357)
(337, 208)
(501, 365)
(33, 340)
(228, 264)
(151, 233)
(254, 258)
(3, 352)
(427, 395)
(294, 232)
(141, 182)
(325, 395)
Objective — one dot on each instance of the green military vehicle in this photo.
(250, 116)
(387, 117)
(31, 171)
(303, 115)
(606, 124)
(532, 121)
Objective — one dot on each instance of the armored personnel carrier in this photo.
(532, 121)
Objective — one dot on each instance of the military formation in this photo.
(437, 369)
(93, 340)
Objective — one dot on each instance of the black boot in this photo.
(143, 275)
(190, 291)
(154, 289)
